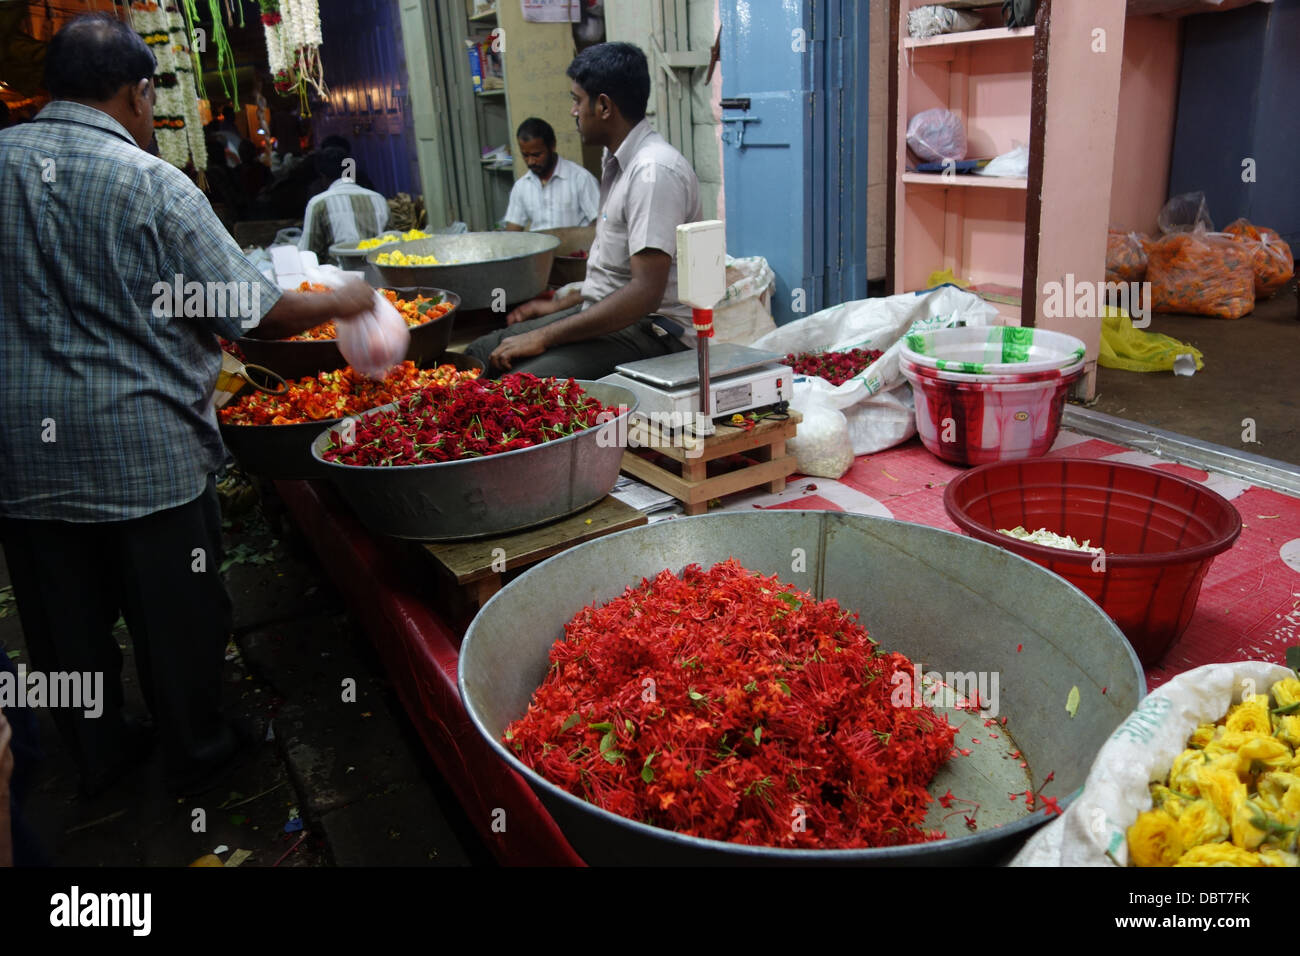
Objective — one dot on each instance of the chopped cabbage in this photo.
(1048, 539)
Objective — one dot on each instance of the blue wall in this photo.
(365, 70)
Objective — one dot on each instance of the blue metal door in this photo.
(794, 115)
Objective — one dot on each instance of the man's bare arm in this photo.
(634, 301)
(296, 312)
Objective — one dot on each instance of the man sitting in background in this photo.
(343, 213)
(628, 307)
(554, 192)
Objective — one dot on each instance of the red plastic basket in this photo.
(1159, 534)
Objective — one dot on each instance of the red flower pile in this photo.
(836, 367)
(727, 705)
(468, 419)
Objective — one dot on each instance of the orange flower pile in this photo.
(415, 311)
(332, 395)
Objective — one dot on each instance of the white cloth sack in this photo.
(375, 340)
(877, 403)
(1094, 830)
(744, 313)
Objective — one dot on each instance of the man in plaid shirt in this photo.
(108, 438)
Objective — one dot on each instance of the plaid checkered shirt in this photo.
(116, 282)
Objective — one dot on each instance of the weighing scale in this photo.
(741, 379)
(677, 391)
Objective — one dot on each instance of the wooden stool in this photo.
(477, 566)
(686, 476)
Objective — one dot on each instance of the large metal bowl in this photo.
(567, 267)
(494, 495)
(284, 451)
(477, 264)
(950, 603)
(295, 358)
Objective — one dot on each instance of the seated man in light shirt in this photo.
(343, 213)
(554, 192)
(628, 307)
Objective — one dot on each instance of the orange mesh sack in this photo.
(1271, 257)
(1201, 273)
(1126, 256)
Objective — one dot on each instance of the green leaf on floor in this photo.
(14, 655)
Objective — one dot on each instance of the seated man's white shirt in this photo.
(571, 197)
(344, 213)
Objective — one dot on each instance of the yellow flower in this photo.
(1201, 823)
(1182, 776)
(1287, 692)
(1245, 816)
(1278, 858)
(1251, 716)
(1219, 785)
(1153, 839)
(1162, 798)
(1288, 729)
(1272, 753)
(1201, 736)
(1218, 854)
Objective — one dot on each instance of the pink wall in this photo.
(1148, 99)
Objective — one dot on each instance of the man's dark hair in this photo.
(338, 142)
(93, 57)
(534, 128)
(329, 162)
(620, 71)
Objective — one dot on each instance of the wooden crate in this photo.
(477, 566)
(684, 472)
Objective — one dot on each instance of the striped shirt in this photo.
(571, 197)
(344, 213)
(105, 385)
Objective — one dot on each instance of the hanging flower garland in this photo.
(176, 113)
(220, 41)
(293, 42)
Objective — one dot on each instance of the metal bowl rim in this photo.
(625, 409)
(554, 243)
(867, 854)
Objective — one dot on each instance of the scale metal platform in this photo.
(740, 379)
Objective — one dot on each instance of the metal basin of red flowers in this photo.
(497, 493)
(1055, 676)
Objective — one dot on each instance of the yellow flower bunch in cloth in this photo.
(1232, 798)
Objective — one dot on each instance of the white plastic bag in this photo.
(375, 340)
(1094, 830)
(822, 446)
(877, 403)
(1014, 162)
(932, 20)
(935, 135)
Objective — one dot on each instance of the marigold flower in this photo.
(1201, 823)
(1219, 854)
(1251, 716)
(1154, 839)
